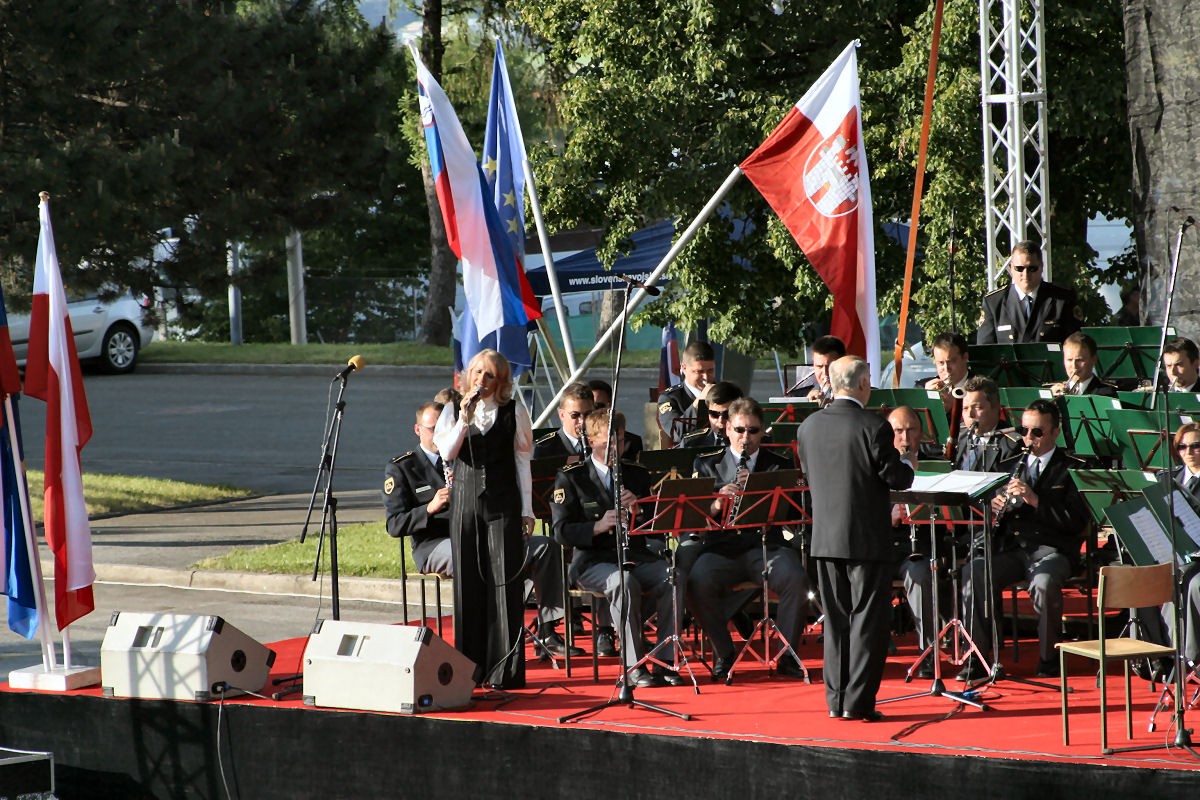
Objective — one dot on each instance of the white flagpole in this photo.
(640, 294)
(35, 563)
(548, 258)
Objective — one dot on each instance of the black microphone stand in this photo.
(624, 691)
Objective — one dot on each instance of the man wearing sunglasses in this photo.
(1029, 309)
(714, 434)
(730, 557)
(602, 401)
(569, 440)
(682, 407)
(850, 459)
(1042, 518)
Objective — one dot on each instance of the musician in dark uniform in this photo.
(602, 399)
(984, 442)
(1079, 361)
(850, 459)
(952, 362)
(713, 434)
(1181, 363)
(584, 518)
(682, 407)
(1029, 309)
(1037, 538)
(418, 505)
(825, 350)
(489, 439)
(730, 557)
(569, 440)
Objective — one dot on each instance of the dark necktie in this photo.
(971, 456)
(1035, 470)
(1189, 485)
(1027, 307)
(440, 466)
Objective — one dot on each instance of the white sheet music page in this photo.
(1152, 533)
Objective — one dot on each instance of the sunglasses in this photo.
(578, 414)
(1026, 267)
(1189, 446)
(718, 414)
(751, 431)
(1036, 432)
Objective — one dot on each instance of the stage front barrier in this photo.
(180, 657)
(375, 667)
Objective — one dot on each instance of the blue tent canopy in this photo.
(584, 272)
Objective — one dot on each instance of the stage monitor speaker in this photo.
(375, 667)
(180, 657)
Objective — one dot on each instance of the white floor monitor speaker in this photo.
(180, 657)
(375, 667)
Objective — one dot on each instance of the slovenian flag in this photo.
(52, 374)
(474, 230)
(812, 170)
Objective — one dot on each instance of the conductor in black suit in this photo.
(729, 557)
(1029, 309)
(852, 464)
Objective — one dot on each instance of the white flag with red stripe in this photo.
(52, 374)
(812, 170)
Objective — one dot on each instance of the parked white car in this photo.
(111, 333)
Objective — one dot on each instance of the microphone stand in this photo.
(624, 691)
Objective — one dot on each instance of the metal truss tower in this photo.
(1015, 166)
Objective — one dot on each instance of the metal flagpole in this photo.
(640, 294)
(35, 564)
(548, 257)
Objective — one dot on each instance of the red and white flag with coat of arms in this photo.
(812, 170)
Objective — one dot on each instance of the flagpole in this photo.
(49, 658)
(640, 294)
(918, 188)
(548, 259)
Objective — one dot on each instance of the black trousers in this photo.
(856, 596)
(489, 557)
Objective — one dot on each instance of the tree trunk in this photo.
(436, 326)
(1162, 56)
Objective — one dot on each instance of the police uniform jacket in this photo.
(579, 499)
(1061, 514)
(676, 404)
(1100, 388)
(553, 444)
(734, 542)
(1056, 315)
(992, 451)
(410, 481)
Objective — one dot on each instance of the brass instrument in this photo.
(955, 392)
(1059, 388)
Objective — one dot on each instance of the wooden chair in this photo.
(1120, 587)
(426, 579)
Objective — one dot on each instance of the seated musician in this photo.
(569, 440)
(1079, 360)
(730, 557)
(951, 360)
(1041, 521)
(602, 399)
(682, 407)
(714, 434)
(584, 517)
(417, 501)
(1181, 363)
(826, 350)
(984, 441)
(912, 552)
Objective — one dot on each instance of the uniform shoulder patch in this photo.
(664, 406)
(400, 458)
(389, 485)
(559, 496)
(547, 437)
(716, 452)
(996, 291)
(573, 465)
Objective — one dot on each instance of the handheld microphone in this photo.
(355, 362)
(473, 398)
(653, 291)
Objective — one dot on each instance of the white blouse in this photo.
(449, 435)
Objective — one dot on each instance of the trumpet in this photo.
(1059, 389)
(940, 385)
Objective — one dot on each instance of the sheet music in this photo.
(959, 481)
(1152, 533)
(1187, 517)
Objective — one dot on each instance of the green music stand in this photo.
(1086, 429)
(935, 427)
(1102, 488)
(1028, 364)
(1140, 435)
(1127, 355)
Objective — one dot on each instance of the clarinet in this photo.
(737, 501)
(448, 473)
(1010, 502)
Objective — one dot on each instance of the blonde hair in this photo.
(500, 365)
(597, 422)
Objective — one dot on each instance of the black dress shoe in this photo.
(720, 670)
(926, 669)
(790, 668)
(973, 671)
(671, 677)
(835, 715)
(865, 716)
(1047, 669)
(555, 644)
(605, 646)
(641, 678)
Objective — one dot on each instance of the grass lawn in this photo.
(120, 494)
(364, 550)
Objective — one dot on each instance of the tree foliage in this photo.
(660, 100)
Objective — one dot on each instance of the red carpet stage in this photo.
(760, 737)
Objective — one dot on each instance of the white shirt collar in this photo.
(850, 398)
(432, 456)
(602, 470)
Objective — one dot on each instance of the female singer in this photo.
(490, 439)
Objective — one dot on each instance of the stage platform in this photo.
(761, 737)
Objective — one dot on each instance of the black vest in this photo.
(486, 466)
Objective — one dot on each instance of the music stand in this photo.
(774, 500)
(938, 500)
